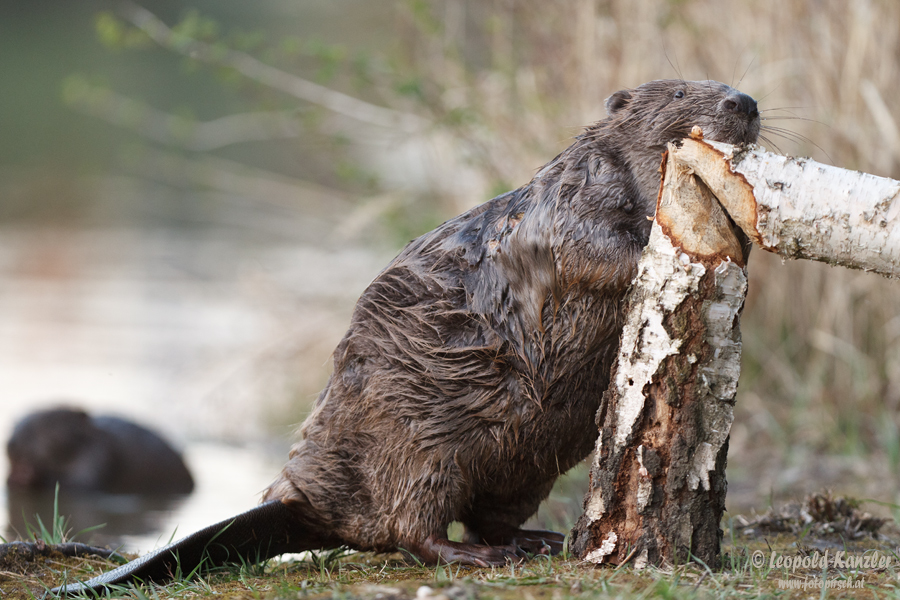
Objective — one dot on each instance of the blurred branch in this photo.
(267, 75)
(173, 130)
(366, 212)
(232, 177)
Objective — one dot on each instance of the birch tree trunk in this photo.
(658, 478)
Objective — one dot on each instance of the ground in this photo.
(780, 554)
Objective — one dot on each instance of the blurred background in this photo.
(194, 193)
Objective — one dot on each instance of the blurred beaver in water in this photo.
(474, 365)
(93, 454)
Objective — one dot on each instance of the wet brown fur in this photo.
(475, 362)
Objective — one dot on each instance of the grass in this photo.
(59, 531)
(379, 576)
(745, 570)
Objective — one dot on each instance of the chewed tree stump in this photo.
(658, 479)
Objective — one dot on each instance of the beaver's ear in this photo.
(617, 101)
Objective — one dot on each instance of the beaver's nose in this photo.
(738, 102)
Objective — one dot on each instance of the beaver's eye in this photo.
(679, 94)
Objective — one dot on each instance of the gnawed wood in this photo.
(799, 208)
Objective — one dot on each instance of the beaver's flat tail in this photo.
(268, 530)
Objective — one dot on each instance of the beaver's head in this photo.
(643, 120)
(661, 111)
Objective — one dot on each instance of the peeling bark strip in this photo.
(658, 479)
(799, 208)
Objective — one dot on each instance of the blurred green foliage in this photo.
(113, 34)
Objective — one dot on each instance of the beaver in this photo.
(474, 364)
(92, 454)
